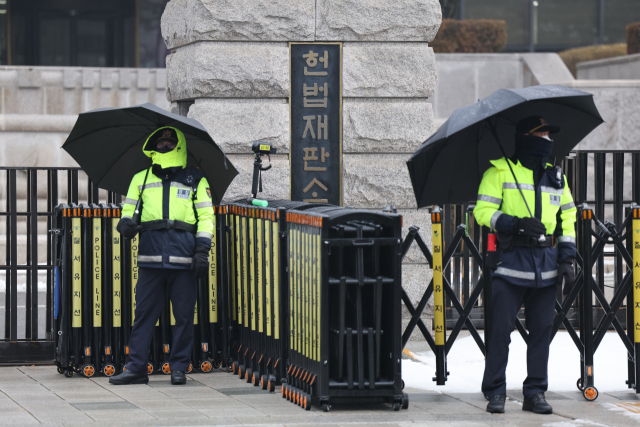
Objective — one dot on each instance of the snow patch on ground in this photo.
(466, 366)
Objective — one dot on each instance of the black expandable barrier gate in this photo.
(306, 287)
(590, 243)
(96, 273)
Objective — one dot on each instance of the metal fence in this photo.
(29, 309)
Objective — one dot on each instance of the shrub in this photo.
(633, 38)
(471, 36)
(589, 53)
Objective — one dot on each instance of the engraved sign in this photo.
(316, 122)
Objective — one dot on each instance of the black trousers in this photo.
(149, 302)
(540, 311)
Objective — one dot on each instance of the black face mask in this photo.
(533, 151)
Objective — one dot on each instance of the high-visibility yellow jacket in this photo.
(500, 205)
(182, 195)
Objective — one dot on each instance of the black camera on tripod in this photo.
(260, 149)
(263, 148)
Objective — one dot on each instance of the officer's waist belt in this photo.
(168, 224)
(532, 242)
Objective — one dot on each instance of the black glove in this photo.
(128, 228)
(531, 227)
(200, 263)
(566, 272)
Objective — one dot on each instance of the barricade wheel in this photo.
(579, 384)
(190, 368)
(240, 371)
(264, 382)
(271, 386)
(88, 371)
(299, 398)
(283, 390)
(166, 369)
(326, 407)
(206, 366)
(68, 373)
(307, 403)
(61, 370)
(289, 393)
(590, 393)
(149, 368)
(402, 384)
(216, 365)
(396, 406)
(405, 401)
(109, 370)
(124, 368)
(248, 376)
(255, 379)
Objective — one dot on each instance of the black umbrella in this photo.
(107, 144)
(449, 166)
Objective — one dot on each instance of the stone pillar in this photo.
(231, 58)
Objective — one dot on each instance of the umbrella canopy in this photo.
(107, 144)
(449, 166)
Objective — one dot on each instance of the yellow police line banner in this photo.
(438, 292)
(76, 272)
(636, 275)
(117, 278)
(134, 276)
(97, 272)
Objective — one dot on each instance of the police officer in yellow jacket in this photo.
(529, 266)
(176, 227)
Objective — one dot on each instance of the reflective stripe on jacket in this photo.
(500, 205)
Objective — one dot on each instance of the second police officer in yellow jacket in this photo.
(534, 255)
(175, 239)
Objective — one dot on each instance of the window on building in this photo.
(514, 12)
(561, 24)
(617, 15)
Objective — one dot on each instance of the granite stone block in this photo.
(29, 78)
(388, 70)
(275, 182)
(386, 125)
(235, 123)
(187, 21)
(228, 70)
(377, 20)
(375, 181)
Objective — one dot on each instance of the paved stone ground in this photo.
(39, 395)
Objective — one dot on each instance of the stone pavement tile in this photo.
(238, 391)
(37, 405)
(259, 399)
(199, 403)
(46, 398)
(103, 406)
(10, 372)
(10, 407)
(204, 393)
(128, 415)
(70, 385)
(430, 398)
(373, 425)
(137, 393)
(164, 404)
(176, 414)
(232, 411)
(17, 419)
(93, 396)
(167, 384)
(286, 420)
(285, 410)
(448, 408)
(64, 417)
(623, 395)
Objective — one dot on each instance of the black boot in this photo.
(537, 404)
(128, 377)
(178, 377)
(496, 404)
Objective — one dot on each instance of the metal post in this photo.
(600, 160)
(590, 392)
